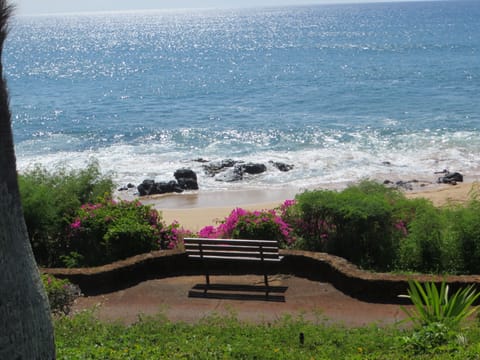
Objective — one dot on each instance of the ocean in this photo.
(341, 92)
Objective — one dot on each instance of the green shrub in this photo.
(466, 227)
(431, 245)
(377, 228)
(359, 223)
(61, 294)
(425, 229)
(50, 199)
(110, 230)
(127, 236)
(429, 338)
(422, 249)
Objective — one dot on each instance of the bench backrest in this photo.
(234, 249)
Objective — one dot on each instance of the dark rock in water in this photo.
(187, 184)
(251, 168)
(450, 178)
(201, 160)
(230, 175)
(236, 173)
(185, 174)
(175, 186)
(282, 166)
(166, 187)
(187, 179)
(162, 187)
(145, 188)
(150, 187)
(404, 184)
(126, 187)
(217, 167)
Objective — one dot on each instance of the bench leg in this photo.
(267, 286)
(207, 281)
(207, 276)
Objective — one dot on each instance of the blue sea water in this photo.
(344, 92)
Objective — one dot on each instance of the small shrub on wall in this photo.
(377, 228)
(108, 231)
(50, 200)
(427, 248)
(61, 294)
(466, 229)
(360, 223)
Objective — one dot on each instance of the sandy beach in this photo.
(196, 210)
(442, 195)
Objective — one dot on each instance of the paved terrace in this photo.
(317, 286)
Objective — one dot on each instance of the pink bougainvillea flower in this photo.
(208, 232)
(76, 224)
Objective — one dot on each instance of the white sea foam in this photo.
(334, 164)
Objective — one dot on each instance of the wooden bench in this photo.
(233, 250)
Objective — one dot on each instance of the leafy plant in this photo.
(111, 230)
(61, 294)
(360, 223)
(50, 200)
(426, 230)
(465, 225)
(433, 305)
(429, 338)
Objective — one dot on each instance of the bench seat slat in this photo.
(194, 247)
(216, 257)
(273, 243)
(233, 254)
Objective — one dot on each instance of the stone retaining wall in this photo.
(346, 277)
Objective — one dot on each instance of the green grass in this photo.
(84, 337)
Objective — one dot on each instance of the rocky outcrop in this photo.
(216, 167)
(150, 187)
(252, 168)
(186, 179)
(239, 170)
(229, 170)
(281, 166)
(230, 175)
(126, 187)
(450, 178)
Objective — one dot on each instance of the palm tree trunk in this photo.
(26, 330)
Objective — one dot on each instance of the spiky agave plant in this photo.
(433, 305)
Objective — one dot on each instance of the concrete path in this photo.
(315, 301)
